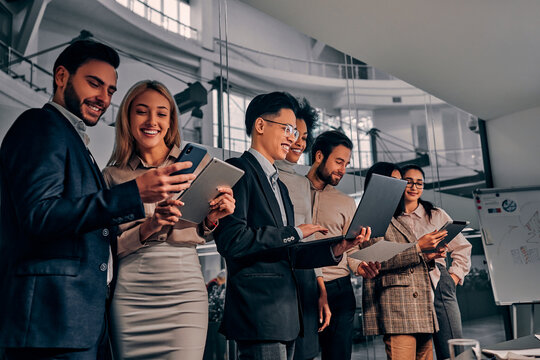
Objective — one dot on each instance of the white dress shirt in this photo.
(459, 248)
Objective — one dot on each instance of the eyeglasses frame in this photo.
(412, 183)
(287, 128)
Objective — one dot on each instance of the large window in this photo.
(354, 124)
(234, 135)
(173, 15)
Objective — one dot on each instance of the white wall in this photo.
(514, 148)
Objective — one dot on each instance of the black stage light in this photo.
(193, 97)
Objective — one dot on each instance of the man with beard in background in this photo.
(330, 155)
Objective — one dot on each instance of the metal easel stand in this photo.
(515, 322)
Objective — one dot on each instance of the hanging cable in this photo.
(387, 151)
(349, 107)
(430, 151)
(227, 82)
(429, 118)
(356, 129)
(435, 149)
(220, 90)
(421, 150)
(396, 138)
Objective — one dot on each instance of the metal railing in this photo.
(302, 66)
(27, 71)
(159, 18)
(36, 77)
(466, 157)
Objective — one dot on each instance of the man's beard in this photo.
(325, 176)
(74, 104)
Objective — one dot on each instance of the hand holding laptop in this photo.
(345, 244)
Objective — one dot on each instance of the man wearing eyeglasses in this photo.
(262, 313)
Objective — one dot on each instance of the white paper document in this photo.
(381, 251)
(514, 354)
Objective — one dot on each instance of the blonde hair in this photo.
(124, 144)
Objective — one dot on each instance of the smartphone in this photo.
(191, 152)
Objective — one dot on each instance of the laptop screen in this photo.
(377, 206)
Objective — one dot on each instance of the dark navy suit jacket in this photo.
(261, 302)
(58, 220)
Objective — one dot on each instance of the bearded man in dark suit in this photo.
(58, 219)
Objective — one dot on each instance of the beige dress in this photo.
(160, 305)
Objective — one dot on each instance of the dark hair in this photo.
(310, 116)
(327, 141)
(385, 169)
(268, 104)
(428, 206)
(82, 51)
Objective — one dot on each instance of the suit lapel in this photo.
(82, 147)
(265, 187)
(404, 230)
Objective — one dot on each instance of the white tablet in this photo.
(204, 188)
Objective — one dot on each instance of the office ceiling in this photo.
(482, 56)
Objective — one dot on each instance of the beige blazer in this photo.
(398, 300)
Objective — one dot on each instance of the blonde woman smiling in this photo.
(159, 308)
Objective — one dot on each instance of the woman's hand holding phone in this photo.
(157, 184)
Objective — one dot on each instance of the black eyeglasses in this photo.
(289, 129)
(411, 183)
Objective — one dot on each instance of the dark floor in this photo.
(487, 330)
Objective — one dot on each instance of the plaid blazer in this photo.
(398, 300)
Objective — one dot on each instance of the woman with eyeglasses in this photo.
(397, 303)
(422, 217)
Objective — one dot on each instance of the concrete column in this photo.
(33, 14)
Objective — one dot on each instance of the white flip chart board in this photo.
(510, 225)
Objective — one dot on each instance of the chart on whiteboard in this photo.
(510, 222)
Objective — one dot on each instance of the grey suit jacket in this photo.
(398, 300)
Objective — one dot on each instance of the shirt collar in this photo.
(419, 211)
(267, 167)
(135, 161)
(285, 166)
(77, 123)
(325, 188)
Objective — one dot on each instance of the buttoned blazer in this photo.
(58, 220)
(261, 300)
(398, 300)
